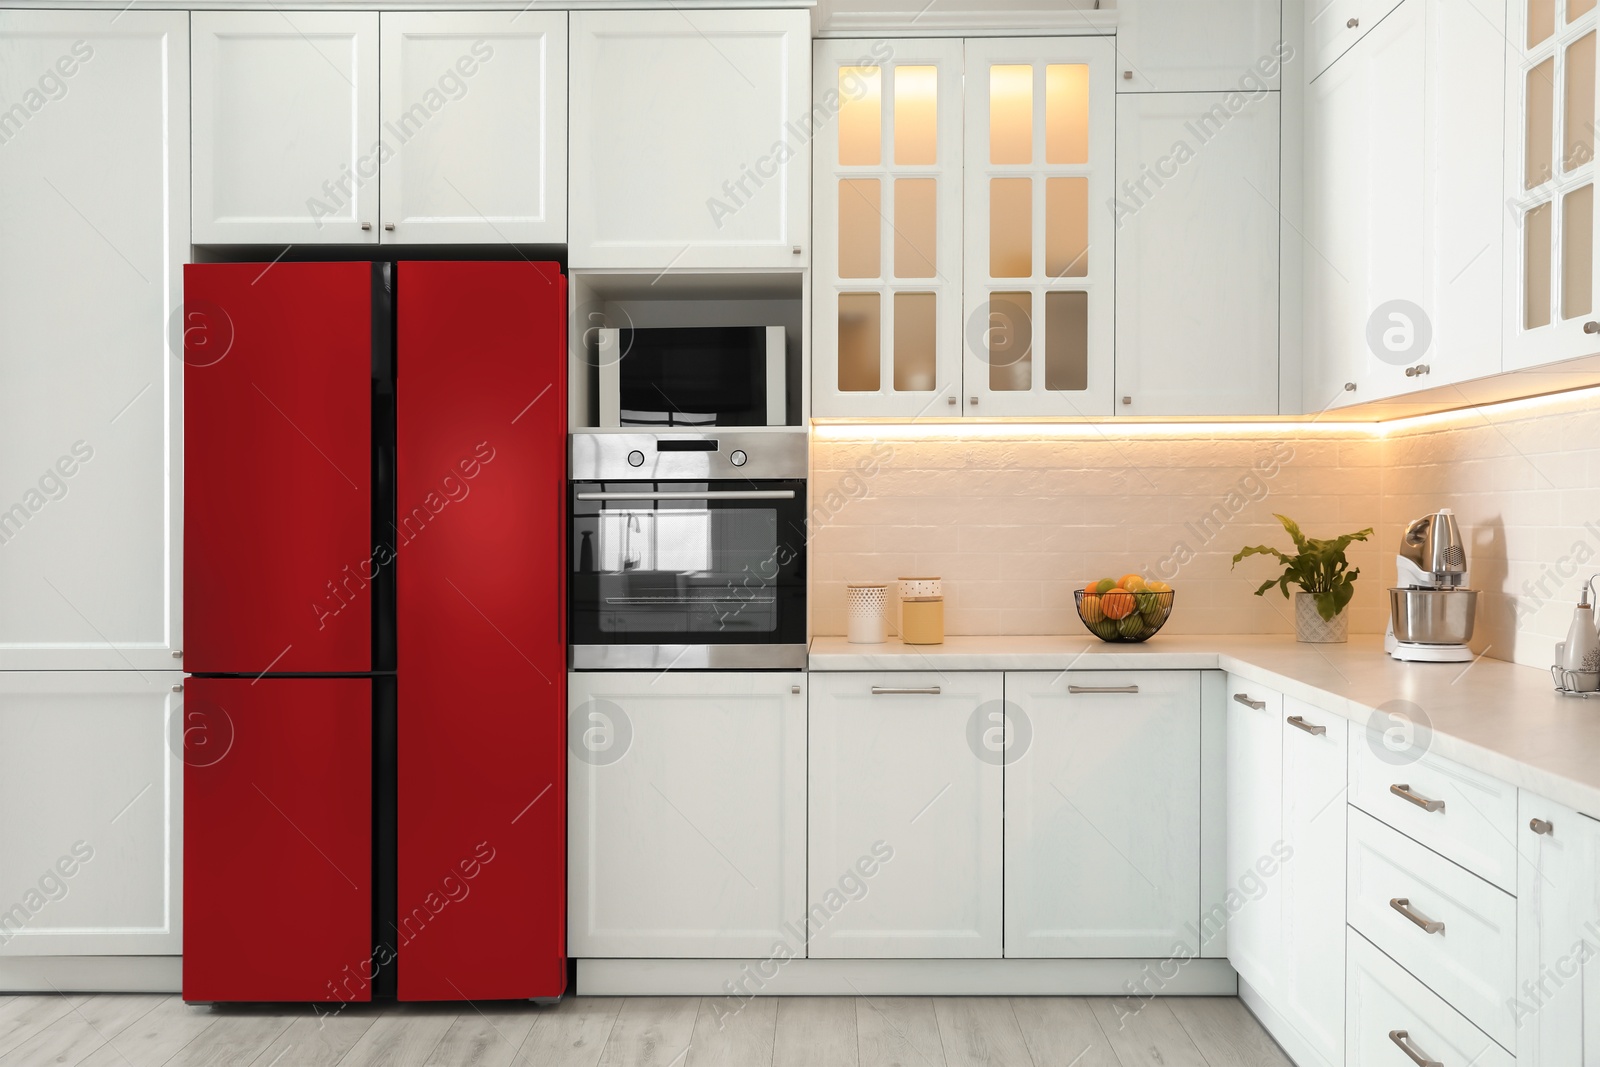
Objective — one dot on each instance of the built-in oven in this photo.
(688, 551)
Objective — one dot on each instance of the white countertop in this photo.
(1498, 717)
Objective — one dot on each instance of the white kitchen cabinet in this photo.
(474, 110)
(1038, 281)
(1179, 46)
(1333, 27)
(1255, 835)
(1395, 1021)
(1103, 814)
(686, 813)
(91, 847)
(94, 228)
(286, 127)
(1315, 746)
(1552, 256)
(691, 139)
(1197, 253)
(1558, 912)
(898, 786)
(887, 267)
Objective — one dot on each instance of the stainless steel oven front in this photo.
(687, 551)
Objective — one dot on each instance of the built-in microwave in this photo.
(692, 377)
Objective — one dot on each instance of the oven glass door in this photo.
(688, 563)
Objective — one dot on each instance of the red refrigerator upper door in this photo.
(277, 545)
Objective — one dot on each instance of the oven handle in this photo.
(714, 494)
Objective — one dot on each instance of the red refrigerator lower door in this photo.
(481, 464)
(277, 839)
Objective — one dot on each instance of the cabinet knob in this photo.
(1349, 387)
(178, 688)
(1592, 326)
(1353, 23)
(366, 227)
(795, 250)
(1127, 400)
(1540, 826)
(952, 401)
(972, 400)
(795, 689)
(1127, 75)
(389, 226)
(1418, 371)
(177, 653)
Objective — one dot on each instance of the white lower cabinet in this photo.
(1393, 1020)
(1255, 833)
(1558, 935)
(92, 790)
(686, 820)
(1102, 786)
(905, 782)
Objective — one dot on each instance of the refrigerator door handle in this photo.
(714, 494)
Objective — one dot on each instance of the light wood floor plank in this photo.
(158, 1035)
(1226, 1033)
(1062, 1031)
(898, 1032)
(70, 1039)
(318, 1038)
(485, 1035)
(570, 1034)
(728, 1034)
(651, 1032)
(1146, 1033)
(815, 1032)
(25, 1016)
(980, 1032)
(403, 1036)
(237, 1037)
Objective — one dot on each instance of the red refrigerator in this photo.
(373, 726)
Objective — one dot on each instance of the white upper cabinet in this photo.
(94, 231)
(1333, 27)
(887, 267)
(1550, 241)
(1180, 46)
(474, 108)
(1197, 253)
(286, 127)
(691, 139)
(1038, 279)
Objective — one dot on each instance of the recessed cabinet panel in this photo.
(1179, 46)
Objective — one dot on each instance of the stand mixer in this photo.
(1430, 614)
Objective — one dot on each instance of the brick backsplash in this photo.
(1015, 523)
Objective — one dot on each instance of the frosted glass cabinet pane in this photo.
(1541, 21)
(1541, 123)
(1010, 227)
(1577, 97)
(860, 227)
(860, 116)
(860, 336)
(916, 116)
(1577, 252)
(1536, 267)
(1066, 227)
(1010, 339)
(1066, 341)
(914, 341)
(1011, 114)
(916, 227)
(1576, 9)
(1066, 113)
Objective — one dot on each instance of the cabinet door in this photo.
(1550, 248)
(94, 228)
(92, 844)
(474, 108)
(1197, 254)
(1314, 776)
(1558, 910)
(686, 813)
(690, 143)
(887, 308)
(905, 815)
(1103, 814)
(1179, 46)
(287, 144)
(1038, 330)
(1255, 834)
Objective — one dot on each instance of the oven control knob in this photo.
(737, 457)
(636, 458)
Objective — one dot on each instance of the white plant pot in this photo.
(1312, 628)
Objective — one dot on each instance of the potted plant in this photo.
(1325, 578)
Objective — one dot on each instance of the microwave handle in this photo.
(715, 494)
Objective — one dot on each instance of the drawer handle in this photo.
(1247, 702)
(1403, 1039)
(1310, 728)
(896, 691)
(1403, 906)
(1540, 826)
(1403, 791)
(1102, 689)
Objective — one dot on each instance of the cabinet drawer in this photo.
(1383, 1000)
(1329, 30)
(1462, 814)
(1470, 956)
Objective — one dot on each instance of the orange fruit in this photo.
(1090, 608)
(1133, 583)
(1091, 589)
(1117, 604)
(1158, 587)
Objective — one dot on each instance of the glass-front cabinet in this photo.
(961, 266)
(1550, 179)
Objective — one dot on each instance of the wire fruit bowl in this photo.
(1120, 616)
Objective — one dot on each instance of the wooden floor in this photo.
(152, 1031)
